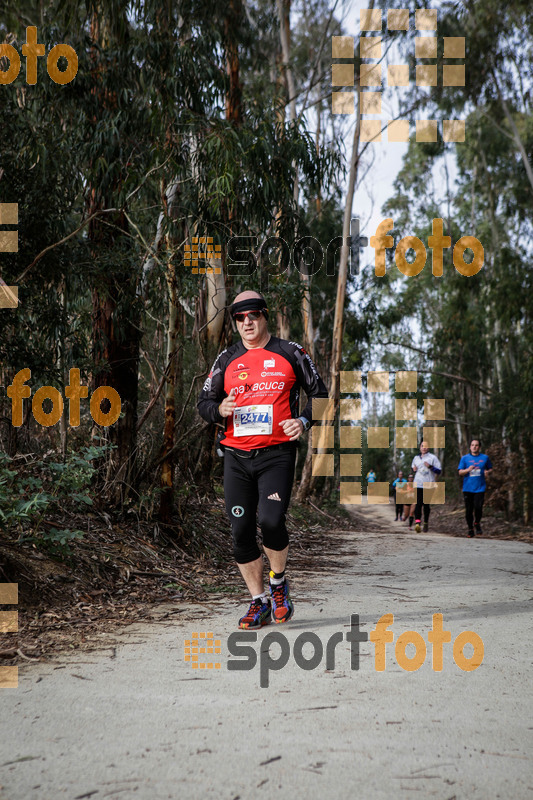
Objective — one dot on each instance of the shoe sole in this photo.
(255, 627)
(286, 619)
(417, 528)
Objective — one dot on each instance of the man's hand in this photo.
(428, 465)
(226, 407)
(293, 428)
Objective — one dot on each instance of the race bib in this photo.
(253, 420)
(475, 472)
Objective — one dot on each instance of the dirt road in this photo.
(135, 720)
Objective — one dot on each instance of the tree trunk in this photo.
(63, 421)
(216, 305)
(234, 94)
(287, 82)
(214, 300)
(514, 130)
(526, 472)
(342, 280)
(284, 14)
(115, 316)
(167, 465)
(309, 344)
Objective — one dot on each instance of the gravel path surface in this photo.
(135, 720)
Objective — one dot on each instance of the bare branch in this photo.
(452, 377)
(62, 241)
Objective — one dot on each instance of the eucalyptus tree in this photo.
(474, 329)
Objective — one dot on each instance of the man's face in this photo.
(252, 331)
(423, 448)
(474, 447)
(400, 474)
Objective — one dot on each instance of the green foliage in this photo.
(52, 488)
(148, 110)
(471, 336)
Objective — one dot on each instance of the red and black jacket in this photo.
(269, 376)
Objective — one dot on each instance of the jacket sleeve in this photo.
(309, 380)
(436, 466)
(213, 392)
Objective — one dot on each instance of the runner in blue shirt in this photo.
(398, 482)
(473, 469)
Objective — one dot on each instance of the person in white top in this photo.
(426, 467)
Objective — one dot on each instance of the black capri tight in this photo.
(420, 504)
(261, 487)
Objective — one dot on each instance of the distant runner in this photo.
(409, 508)
(371, 476)
(473, 469)
(254, 388)
(426, 467)
(399, 482)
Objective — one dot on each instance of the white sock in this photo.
(263, 597)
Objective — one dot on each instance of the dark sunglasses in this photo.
(240, 316)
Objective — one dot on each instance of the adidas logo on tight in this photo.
(274, 496)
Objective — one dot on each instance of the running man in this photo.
(254, 388)
(398, 483)
(371, 476)
(409, 508)
(426, 467)
(473, 469)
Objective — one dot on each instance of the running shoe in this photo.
(425, 528)
(282, 607)
(470, 532)
(258, 614)
(478, 529)
(417, 526)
